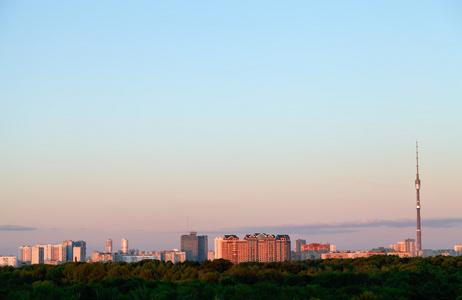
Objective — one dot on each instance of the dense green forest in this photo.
(378, 277)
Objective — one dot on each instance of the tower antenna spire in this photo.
(417, 156)
(417, 188)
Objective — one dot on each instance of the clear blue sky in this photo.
(121, 119)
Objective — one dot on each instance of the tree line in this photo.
(377, 277)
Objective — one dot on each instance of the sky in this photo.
(148, 119)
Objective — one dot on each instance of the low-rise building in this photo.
(131, 258)
(8, 261)
(318, 247)
(102, 256)
(400, 254)
(173, 255)
(348, 254)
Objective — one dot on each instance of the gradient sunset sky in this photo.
(123, 119)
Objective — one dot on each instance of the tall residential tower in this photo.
(125, 246)
(108, 245)
(417, 188)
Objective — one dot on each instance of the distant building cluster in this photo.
(259, 247)
(406, 247)
(304, 251)
(52, 254)
(129, 256)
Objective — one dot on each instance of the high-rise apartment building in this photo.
(79, 251)
(298, 244)
(50, 253)
(59, 252)
(47, 252)
(108, 245)
(254, 247)
(410, 246)
(218, 247)
(69, 246)
(79, 254)
(195, 246)
(37, 255)
(25, 253)
(124, 246)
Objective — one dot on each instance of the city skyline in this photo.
(258, 247)
(122, 120)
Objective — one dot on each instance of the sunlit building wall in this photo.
(354, 254)
(69, 246)
(102, 256)
(78, 254)
(37, 255)
(25, 253)
(59, 252)
(298, 244)
(218, 251)
(319, 247)
(124, 246)
(83, 250)
(47, 252)
(109, 245)
(8, 261)
(174, 256)
(255, 247)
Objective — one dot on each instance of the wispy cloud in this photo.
(442, 223)
(16, 228)
(344, 227)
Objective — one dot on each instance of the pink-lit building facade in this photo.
(11, 261)
(406, 246)
(259, 247)
(319, 247)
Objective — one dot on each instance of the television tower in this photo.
(417, 188)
